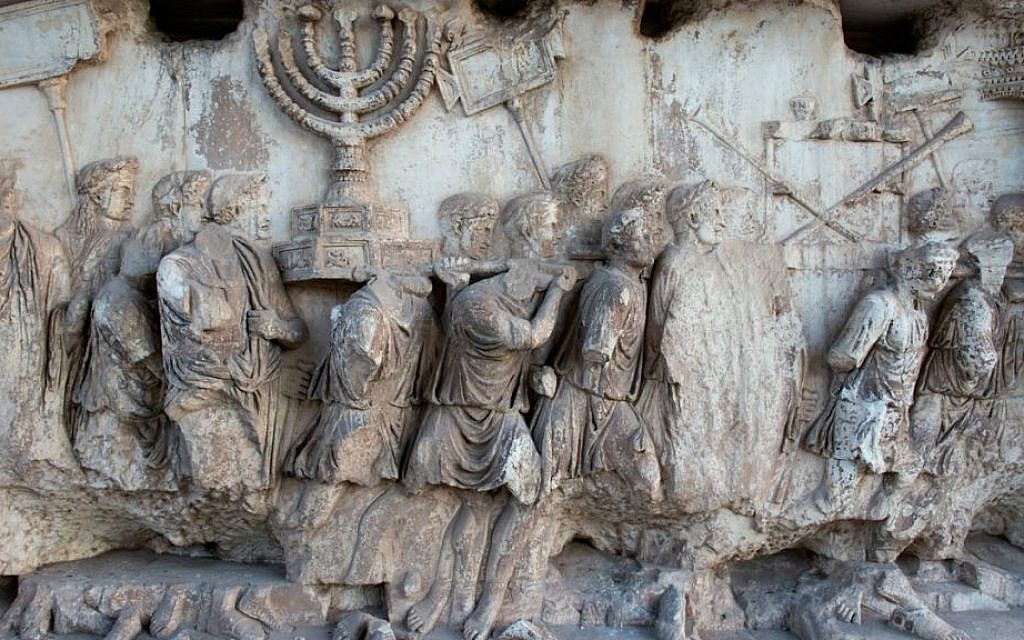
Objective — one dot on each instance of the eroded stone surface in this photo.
(767, 300)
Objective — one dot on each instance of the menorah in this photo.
(349, 106)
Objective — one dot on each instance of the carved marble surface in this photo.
(304, 348)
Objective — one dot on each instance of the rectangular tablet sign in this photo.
(45, 38)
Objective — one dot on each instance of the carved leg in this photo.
(837, 487)
(228, 620)
(315, 506)
(128, 625)
(671, 622)
(172, 612)
(37, 617)
(424, 614)
(897, 599)
(506, 539)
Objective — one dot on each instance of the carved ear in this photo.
(449, 89)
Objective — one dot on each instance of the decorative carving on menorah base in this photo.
(349, 106)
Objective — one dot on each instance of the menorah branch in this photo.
(359, 115)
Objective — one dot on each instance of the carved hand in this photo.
(543, 381)
(566, 280)
(265, 323)
(453, 270)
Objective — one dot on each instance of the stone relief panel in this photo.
(746, 333)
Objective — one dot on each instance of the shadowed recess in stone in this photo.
(182, 20)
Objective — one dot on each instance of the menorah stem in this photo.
(349, 169)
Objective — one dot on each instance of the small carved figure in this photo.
(121, 436)
(94, 233)
(694, 213)
(121, 439)
(382, 345)
(474, 436)
(876, 360)
(590, 424)
(1008, 216)
(955, 380)
(33, 285)
(715, 331)
(225, 317)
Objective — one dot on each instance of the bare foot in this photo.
(351, 626)
(423, 615)
(474, 629)
(479, 624)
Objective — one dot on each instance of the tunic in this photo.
(121, 394)
(473, 435)
(219, 374)
(590, 424)
(882, 345)
(960, 366)
(369, 386)
(33, 284)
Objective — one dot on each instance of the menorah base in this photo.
(332, 242)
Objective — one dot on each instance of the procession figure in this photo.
(94, 233)
(225, 317)
(33, 286)
(121, 436)
(383, 343)
(591, 425)
(720, 324)
(121, 440)
(1008, 217)
(473, 435)
(875, 362)
(955, 379)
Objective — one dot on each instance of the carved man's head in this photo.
(1008, 216)
(695, 212)
(990, 252)
(180, 198)
(235, 194)
(649, 197)
(109, 187)
(924, 269)
(626, 237)
(583, 184)
(467, 224)
(531, 223)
